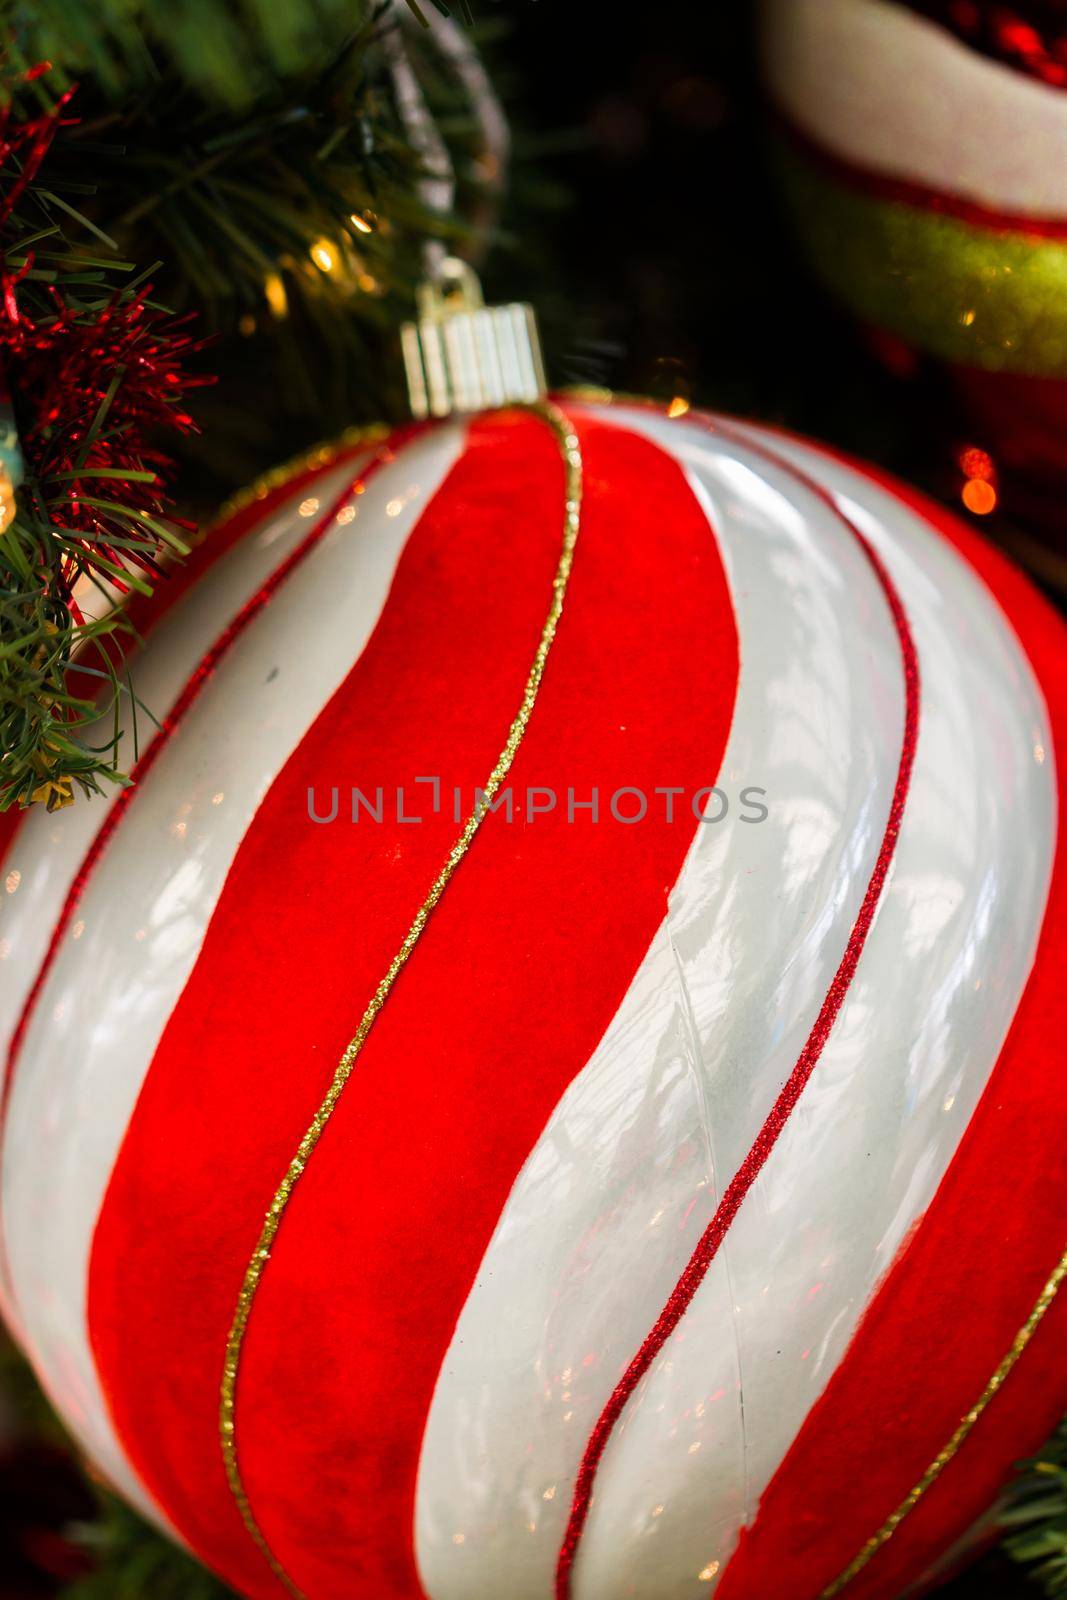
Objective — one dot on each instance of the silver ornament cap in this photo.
(462, 355)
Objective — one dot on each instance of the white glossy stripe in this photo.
(890, 91)
(80, 1075)
(911, 1051)
(47, 851)
(624, 1179)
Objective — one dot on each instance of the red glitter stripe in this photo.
(907, 191)
(169, 726)
(746, 1175)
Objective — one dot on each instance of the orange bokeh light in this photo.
(978, 496)
(977, 463)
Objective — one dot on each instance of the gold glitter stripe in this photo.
(567, 441)
(320, 455)
(941, 1461)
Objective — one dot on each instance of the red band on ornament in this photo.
(750, 1168)
(906, 191)
(9, 826)
(167, 728)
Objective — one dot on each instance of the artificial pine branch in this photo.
(1036, 1516)
(226, 54)
(258, 153)
(93, 367)
(245, 146)
(131, 1561)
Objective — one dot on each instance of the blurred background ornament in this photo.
(12, 469)
(924, 154)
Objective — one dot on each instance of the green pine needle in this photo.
(133, 1562)
(229, 143)
(1036, 1516)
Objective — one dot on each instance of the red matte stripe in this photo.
(515, 980)
(9, 824)
(965, 1282)
(907, 191)
(141, 768)
(746, 1175)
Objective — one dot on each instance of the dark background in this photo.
(672, 268)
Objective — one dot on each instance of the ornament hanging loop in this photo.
(459, 354)
(462, 355)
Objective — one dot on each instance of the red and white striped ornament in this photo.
(695, 1177)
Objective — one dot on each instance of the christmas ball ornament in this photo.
(925, 155)
(546, 1084)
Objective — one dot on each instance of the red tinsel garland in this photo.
(93, 372)
(61, 370)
